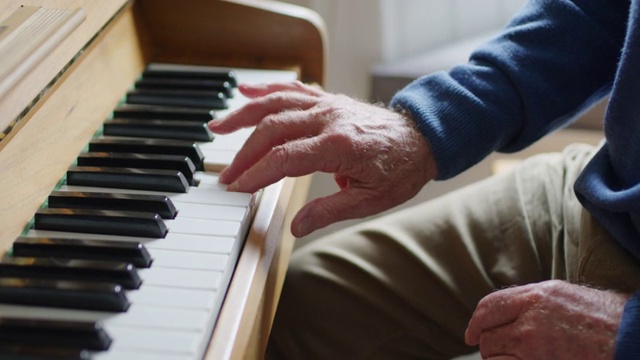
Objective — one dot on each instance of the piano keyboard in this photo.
(131, 256)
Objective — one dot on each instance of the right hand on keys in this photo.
(378, 158)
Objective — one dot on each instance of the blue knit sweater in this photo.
(554, 60)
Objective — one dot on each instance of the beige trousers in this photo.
(405, 285)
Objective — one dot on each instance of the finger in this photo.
(492, 344)
(350, 203)
(496, 309)
(506, 340)
(257, 90)
(294, 158)
(274, 131)
(252, 113)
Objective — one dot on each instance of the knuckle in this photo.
(256, 104)
(280, 153)
(273, 124)
(297, 84)
(272, 120)
(277, 97)
(340, 140)
(551, 287)
(279, 158)
(535, 297)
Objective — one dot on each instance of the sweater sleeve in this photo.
(554, 60)
(628, 342)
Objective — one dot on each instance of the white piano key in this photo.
(188, 260)
(201, 210)
(195, 195)
(197, 243)
(228, 142)
(259, 76)
(208, 178)
(173, 297)
(162, 318)
(143, 316)
(203, 195)
(128, 354)
(217, 160)
(173, 318)
(211, 180)
(209, 227)
(203, 227)
(182, 242)
(181, 278)
(185, 342)
(212, 212)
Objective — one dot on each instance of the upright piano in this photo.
(76, 64)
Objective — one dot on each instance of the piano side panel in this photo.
(36, 157)
(238, 33)
(297, 197)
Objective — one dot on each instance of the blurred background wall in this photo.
(367, 32)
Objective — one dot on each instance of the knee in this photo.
(304, 278)
(299, 314)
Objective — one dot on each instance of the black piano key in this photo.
(195, 99)
(158, 129)
(181, 163)
(122, 251)
(159, 70)
(149, 146)
(29, 352)
(112, 272)
(126, 223)
(127, 178)
(222, 86)
(158, 204)
(151, 112)
(63, 294)
(36, 332)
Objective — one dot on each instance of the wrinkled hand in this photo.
(378, 158)
(548, 320)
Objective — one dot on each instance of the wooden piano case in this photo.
(55, 109)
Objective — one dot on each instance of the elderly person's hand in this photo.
(378, 158)
(548, 320)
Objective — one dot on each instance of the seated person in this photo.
(541, 262)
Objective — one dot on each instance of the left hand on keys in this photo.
(548, 320)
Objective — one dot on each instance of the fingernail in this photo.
(223, 176)
(212, 123)
(233, 187)
(304, 227)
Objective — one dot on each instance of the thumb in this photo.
(348, 203)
